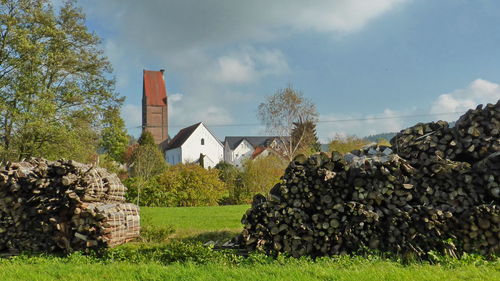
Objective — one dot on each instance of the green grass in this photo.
(194, 221)
(182, 257)
(82, 268)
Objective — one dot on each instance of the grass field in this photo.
(191, 221)
(182, 257)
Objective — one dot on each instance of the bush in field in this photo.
(236, 192)
(182, 185)
(191, 185)
(261, 174)
(147, 192)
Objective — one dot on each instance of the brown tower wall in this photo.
(154, 105)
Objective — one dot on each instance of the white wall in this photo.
(173, 156)
(212, 148)
(243, 151)
(228, 154)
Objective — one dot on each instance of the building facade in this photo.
(154, 105)
(191, 144)
(237, 149)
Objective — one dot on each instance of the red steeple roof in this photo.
(154, 88)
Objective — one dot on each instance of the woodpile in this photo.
(478, 131)
(62, 206)
(428, 192)
(475, 135)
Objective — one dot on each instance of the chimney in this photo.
(162, 72)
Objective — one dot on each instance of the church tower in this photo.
(154, 105)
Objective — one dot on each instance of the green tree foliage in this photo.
(261, 174)
(55, 83)
(114, 138)
(147, 161)
(236, 191)
(192, 185)
(305, 138)
(146, 138)
(179, 185)
(279, 113)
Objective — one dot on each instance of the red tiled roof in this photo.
(154, 88)
(258, 151)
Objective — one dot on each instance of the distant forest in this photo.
(375, 138)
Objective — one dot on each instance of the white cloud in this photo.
(175, 97)
(248, 65)
(342, 16)
(201, 42)
(161, 26)
(479, 91)
(234, 70)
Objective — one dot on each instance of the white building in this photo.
(192, 142)
(237, 149)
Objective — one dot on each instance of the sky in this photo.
(370, 67)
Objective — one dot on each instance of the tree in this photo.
(237, 191)
(279, 113)
(147, 161)
(146, 138)
(55, 84)
(191, 185)
(114, 138)
(307, 131)
(261, 174)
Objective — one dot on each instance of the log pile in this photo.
(62, 206)
(478, 131)
(431, 194)
(475, 135)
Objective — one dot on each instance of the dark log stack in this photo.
(62, 206)
(434, 194)
(478, 131)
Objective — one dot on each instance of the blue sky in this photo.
(354, 59)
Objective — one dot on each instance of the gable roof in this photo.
(233, 142)
(182, 136)
(154, 90)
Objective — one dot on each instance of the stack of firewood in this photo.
(475, 135)
(478, 131)
(426, 196)
(62, 206)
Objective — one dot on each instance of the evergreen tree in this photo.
(305, 137)
(146, 138)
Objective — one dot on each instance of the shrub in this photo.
(236, 191)
(147, 192)
(191, 185)
(261, 174)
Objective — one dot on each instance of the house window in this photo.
(202, 141)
